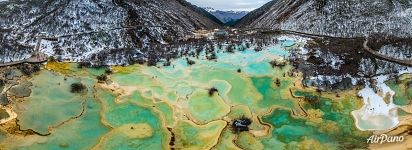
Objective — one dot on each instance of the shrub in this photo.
(78, 88)
(212, 91)
(84, 65)
(241, 124)
(190, 62)
(102, 78)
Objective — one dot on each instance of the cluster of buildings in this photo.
(212, 34)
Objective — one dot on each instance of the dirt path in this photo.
(384, 57)
(365, 46)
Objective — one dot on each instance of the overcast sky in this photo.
(230, 4)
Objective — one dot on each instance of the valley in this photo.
(167, 74)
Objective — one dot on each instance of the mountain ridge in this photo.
(251, 16)
(229, 17)
(90, 26)
(350, 18)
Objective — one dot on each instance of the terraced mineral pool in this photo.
(171, 107)
(402, 89)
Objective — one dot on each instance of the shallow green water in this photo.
(403, 94)
(272, 95)
(52, 109)
(82, 133)
(147, 107)
(117, 115)
(50, 104)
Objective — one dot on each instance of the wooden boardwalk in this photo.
(384, 57)
(35, 58)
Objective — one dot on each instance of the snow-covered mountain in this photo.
(89, 27)
(209, 9)
(228, 17)
(255, 14)
(348, 18)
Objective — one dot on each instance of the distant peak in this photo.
(209, 9)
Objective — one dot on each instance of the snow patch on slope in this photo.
(376, 114)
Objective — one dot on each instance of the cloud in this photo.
(230, 4)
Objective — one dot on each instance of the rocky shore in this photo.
(14, 85)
